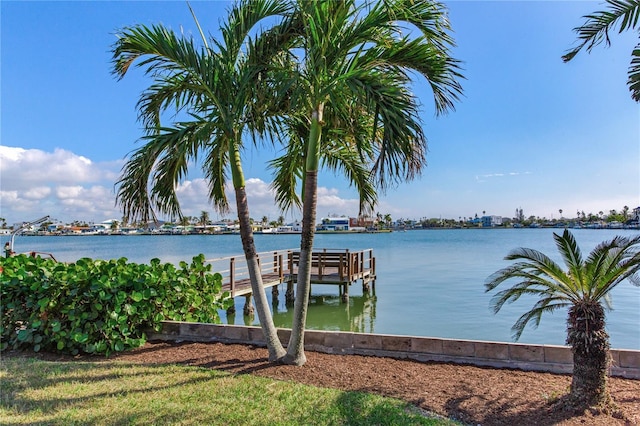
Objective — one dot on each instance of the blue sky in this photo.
(531, 132)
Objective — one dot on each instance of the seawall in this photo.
(548, 358)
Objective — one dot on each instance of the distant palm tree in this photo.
(388, 220)
(204, 218)
(216, 92)
(621, 14)
(584, 287)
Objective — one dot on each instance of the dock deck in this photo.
(328, 266)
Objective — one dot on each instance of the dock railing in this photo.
(328, 266)
(235, 272)
(332, 266)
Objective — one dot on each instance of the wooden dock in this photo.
(328, 267)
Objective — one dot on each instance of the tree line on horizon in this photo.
(625, 216)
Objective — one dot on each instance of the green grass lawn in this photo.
(97, 393)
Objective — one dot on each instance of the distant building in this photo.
(55, 227)
(491, 221)
(334, 224)
(362, 222)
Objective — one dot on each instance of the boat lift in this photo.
(25, 225)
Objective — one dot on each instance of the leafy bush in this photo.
(98, 306)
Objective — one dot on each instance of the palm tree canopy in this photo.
(584, 281)
(621, 14)
(215, 92)
(351, 62)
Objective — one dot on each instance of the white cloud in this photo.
(193, 199)
(483, 178)
(70, 187)
(330, 202)
(37, 193)
(61, 184)
(22, 168)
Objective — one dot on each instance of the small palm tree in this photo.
(585, 289)
(623, 14)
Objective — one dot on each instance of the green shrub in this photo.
(98, 306)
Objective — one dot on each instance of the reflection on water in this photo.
(326, 312)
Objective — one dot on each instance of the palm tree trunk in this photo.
(295, 349)
(590, 346)
(276, 350)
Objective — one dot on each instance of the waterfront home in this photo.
(290, 228)
(333, 224)
(491, 221)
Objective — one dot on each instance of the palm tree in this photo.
(217, 92)
(388, 220)
(584, 287)
(355, 54)
(204, 218)
(621, 14)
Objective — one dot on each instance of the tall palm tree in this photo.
(621, 15)
(217, 92)
(584, 287)
(358, 54)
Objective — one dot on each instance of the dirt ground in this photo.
(472, 395)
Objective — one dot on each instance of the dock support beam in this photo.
(289, 295)
(345, 293)
(248, 306)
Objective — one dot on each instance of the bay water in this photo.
(429, 282)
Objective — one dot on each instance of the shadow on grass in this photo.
(359, 409)
(18, 382)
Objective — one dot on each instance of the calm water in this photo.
(430, 283)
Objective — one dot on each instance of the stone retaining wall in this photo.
(555, 359)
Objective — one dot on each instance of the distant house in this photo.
(362, 222)
(55, 227)
(334, 224)
(491, 221)
(635, 216)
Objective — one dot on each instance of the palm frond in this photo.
(133, 195)
(618, 260)
(572, 256)
(634, 74)
(288, 174)
(621, 14)
(535, 315)
(595, 30)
